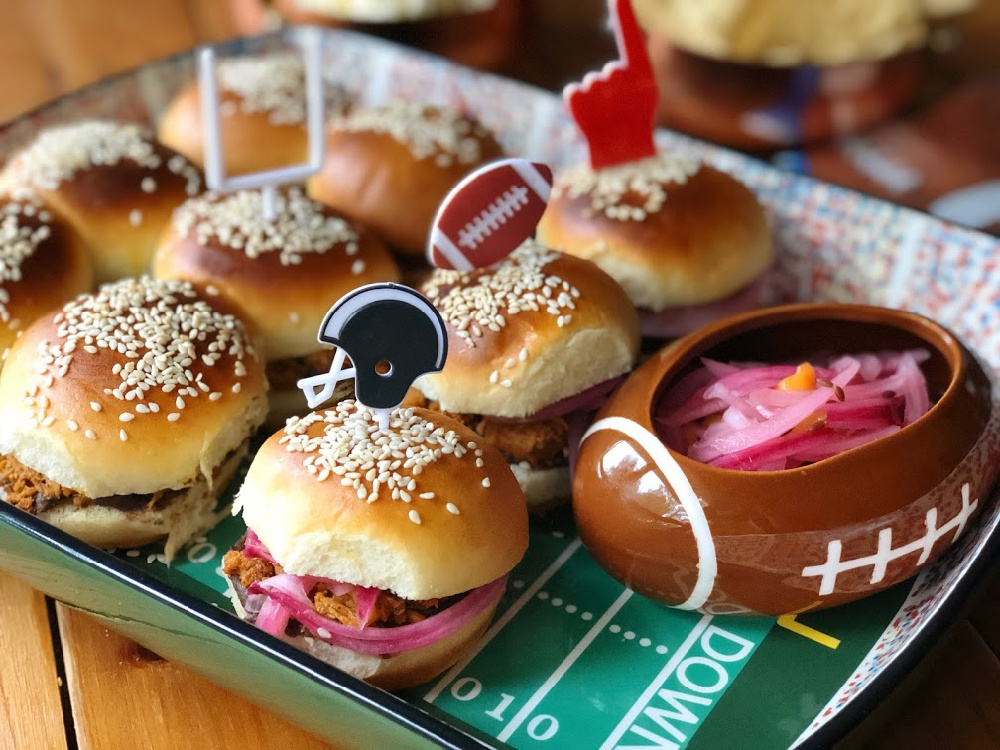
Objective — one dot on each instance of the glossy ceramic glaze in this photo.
(726, 541)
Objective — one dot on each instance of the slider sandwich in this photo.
(536, 344)
(687, 242)
(124, 414)
(382, 552)
(280, 274)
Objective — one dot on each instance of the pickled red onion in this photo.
(733, 416)
(290, 593)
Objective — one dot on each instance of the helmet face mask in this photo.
(392, 334)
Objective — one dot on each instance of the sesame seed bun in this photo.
(77, 411)
(262, 108)
(300, 498)
(282, 275)
(390, 167)
(405, 669)
(510, 356)
(670, 231)
(42, 264)
(112, 183)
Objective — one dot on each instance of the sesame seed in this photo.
(236, 387)
(613, 190)
(72, 424)
(135, 217)
(486, 482)
(506, 383)
(173, 417)
(48, 421)
(95, 406)
(427, 496)
(142, 408)
(153, 407)
(479, 463)
(236, 220)
(441, 135)
(90, 434)
(452, 508)
(123, 435)
(415, 517)
(322, 632)
(358, 267)
(180, 402)
(274, 85)
(479, 303)
(214, 396)
(126, 417)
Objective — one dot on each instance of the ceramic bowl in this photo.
(725, 541)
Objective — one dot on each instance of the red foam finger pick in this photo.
(615, 109)
(489, 214)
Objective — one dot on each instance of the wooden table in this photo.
(68, 682)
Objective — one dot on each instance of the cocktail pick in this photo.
(392, 334)
(489, 214)
(615, 108)
(268, 181)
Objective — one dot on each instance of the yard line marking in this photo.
(633, 713)
(505, 618)
(568, 662)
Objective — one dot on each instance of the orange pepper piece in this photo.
(804, 379)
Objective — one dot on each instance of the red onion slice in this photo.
(733, 415)
(364, 600)
(273, 617)
(290, 593)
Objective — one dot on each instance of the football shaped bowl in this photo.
(725, 541)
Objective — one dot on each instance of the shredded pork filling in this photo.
(542, 445)
(389, 610)
(34, 492)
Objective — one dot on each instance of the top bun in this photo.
(794, 32)
(262, 108)
(671, 231)
(331, 496)
(282, 274)
(390, 11)
(531, 330)
(42, 264)
(143, 386)
(112, 182)
(390, 167)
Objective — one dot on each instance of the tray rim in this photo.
(122, 573)
(407, 714)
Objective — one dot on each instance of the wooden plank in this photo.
(30, 706)
(84, 41)
(26, 81)
(211, 21)
(124, 696)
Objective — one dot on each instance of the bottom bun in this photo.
(394, 671)
(182, 520)
(544, 489)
